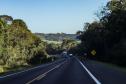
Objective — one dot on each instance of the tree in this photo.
(18, 45)
(19, 23)
(67, 44)
(79, 32)
(114, 5)
(53, 48)
(6, 19)
(107, 36)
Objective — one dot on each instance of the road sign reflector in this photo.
(93, 52)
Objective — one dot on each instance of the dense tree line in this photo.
(54, 48)
(58, 48)
(18, 46)
(108, 35)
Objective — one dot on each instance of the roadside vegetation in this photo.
(107, 36)
(18, 45)
(20, 48)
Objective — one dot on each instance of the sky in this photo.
(52, 16)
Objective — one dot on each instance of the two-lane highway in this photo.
(24, 76)
(65, 71)
(71, 72)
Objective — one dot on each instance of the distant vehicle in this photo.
(70, 55)
(64, 54)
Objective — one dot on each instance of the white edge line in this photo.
(19, 72)
(22, 71)
(91, 75)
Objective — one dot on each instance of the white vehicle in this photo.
(70, 55)
(64, 54)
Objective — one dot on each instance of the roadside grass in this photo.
(109, 65)
(113, 66)
(5, 70)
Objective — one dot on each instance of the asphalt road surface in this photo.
(67, 71)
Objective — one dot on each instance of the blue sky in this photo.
(52, 16)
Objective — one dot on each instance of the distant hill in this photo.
(56, 36)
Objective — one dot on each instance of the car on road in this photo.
(70, 55)
(64, 54)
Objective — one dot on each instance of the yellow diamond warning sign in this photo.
(93, 52)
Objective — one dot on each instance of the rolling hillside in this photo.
(56, 36)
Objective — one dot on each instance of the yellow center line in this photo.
(44, 74)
